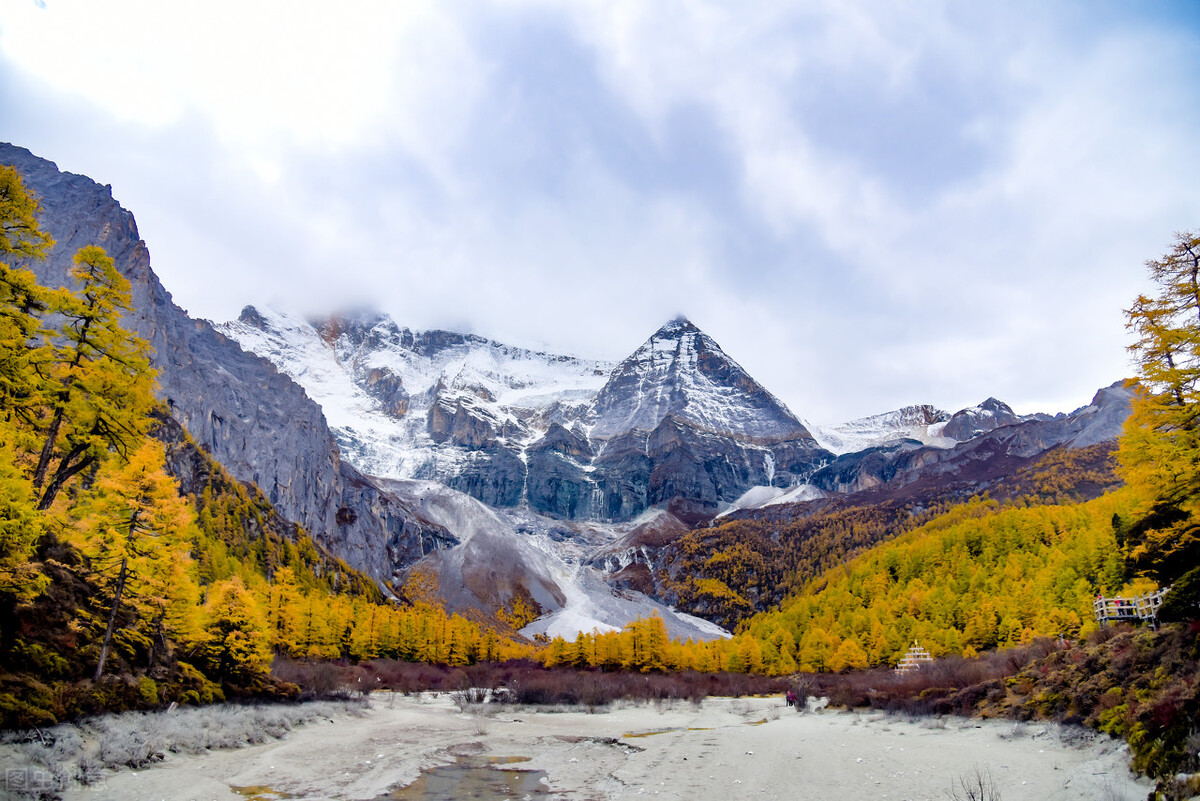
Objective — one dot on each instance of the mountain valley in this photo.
(520, 476)
(701, 444)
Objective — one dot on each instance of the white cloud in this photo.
(265, 76)
(867, 205)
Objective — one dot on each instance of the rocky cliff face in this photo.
(568, 437)
(987, 416)
(247, 415)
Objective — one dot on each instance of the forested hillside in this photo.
(978, 577)
(119, 587)
(732, 570)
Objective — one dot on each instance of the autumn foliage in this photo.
(118, 586)
(135, 571)
(979, 577)
(733, 570)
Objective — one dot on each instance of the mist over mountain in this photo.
(250, 417)
(568, 437)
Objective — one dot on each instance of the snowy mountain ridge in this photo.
(923, 422)
(569, 437)
(378, 382)
(581, 439)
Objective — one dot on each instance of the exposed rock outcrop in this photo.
(254, 420)
(454, 418)
(559, 480)
(985, 456)
(988, 416)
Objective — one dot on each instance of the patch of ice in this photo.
(592, 605)
(910, 422)
(759, 497)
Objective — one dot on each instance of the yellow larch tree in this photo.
(1160, 450)
(100, 383)
(133, 527)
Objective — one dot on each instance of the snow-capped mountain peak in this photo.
(987, 416)
(386, 389)
(492, 420)
(682, 371)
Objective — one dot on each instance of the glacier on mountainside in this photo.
(762, 497)
(923, 423)
(343, 363)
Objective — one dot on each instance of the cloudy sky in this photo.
(867, 204)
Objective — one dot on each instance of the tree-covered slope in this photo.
(732, 570)
(976, 577)
(134, 570)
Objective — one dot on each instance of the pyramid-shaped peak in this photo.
(677, 337)
(676, 327)
(681, 372)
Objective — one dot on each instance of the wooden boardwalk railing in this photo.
(1141, 608)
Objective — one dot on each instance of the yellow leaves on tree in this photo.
(100, 382)
(20, 528)
(520, 611)
(22, 301)
(421, 587)
(20, 234)
(132, 526)
(1160, 451)
(237, 648)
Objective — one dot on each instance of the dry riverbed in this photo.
(721, 749)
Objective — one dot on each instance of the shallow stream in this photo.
(474, 778)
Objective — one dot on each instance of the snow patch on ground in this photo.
(798, 494)
(922, 423)
(592, 605)
(760, 497)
